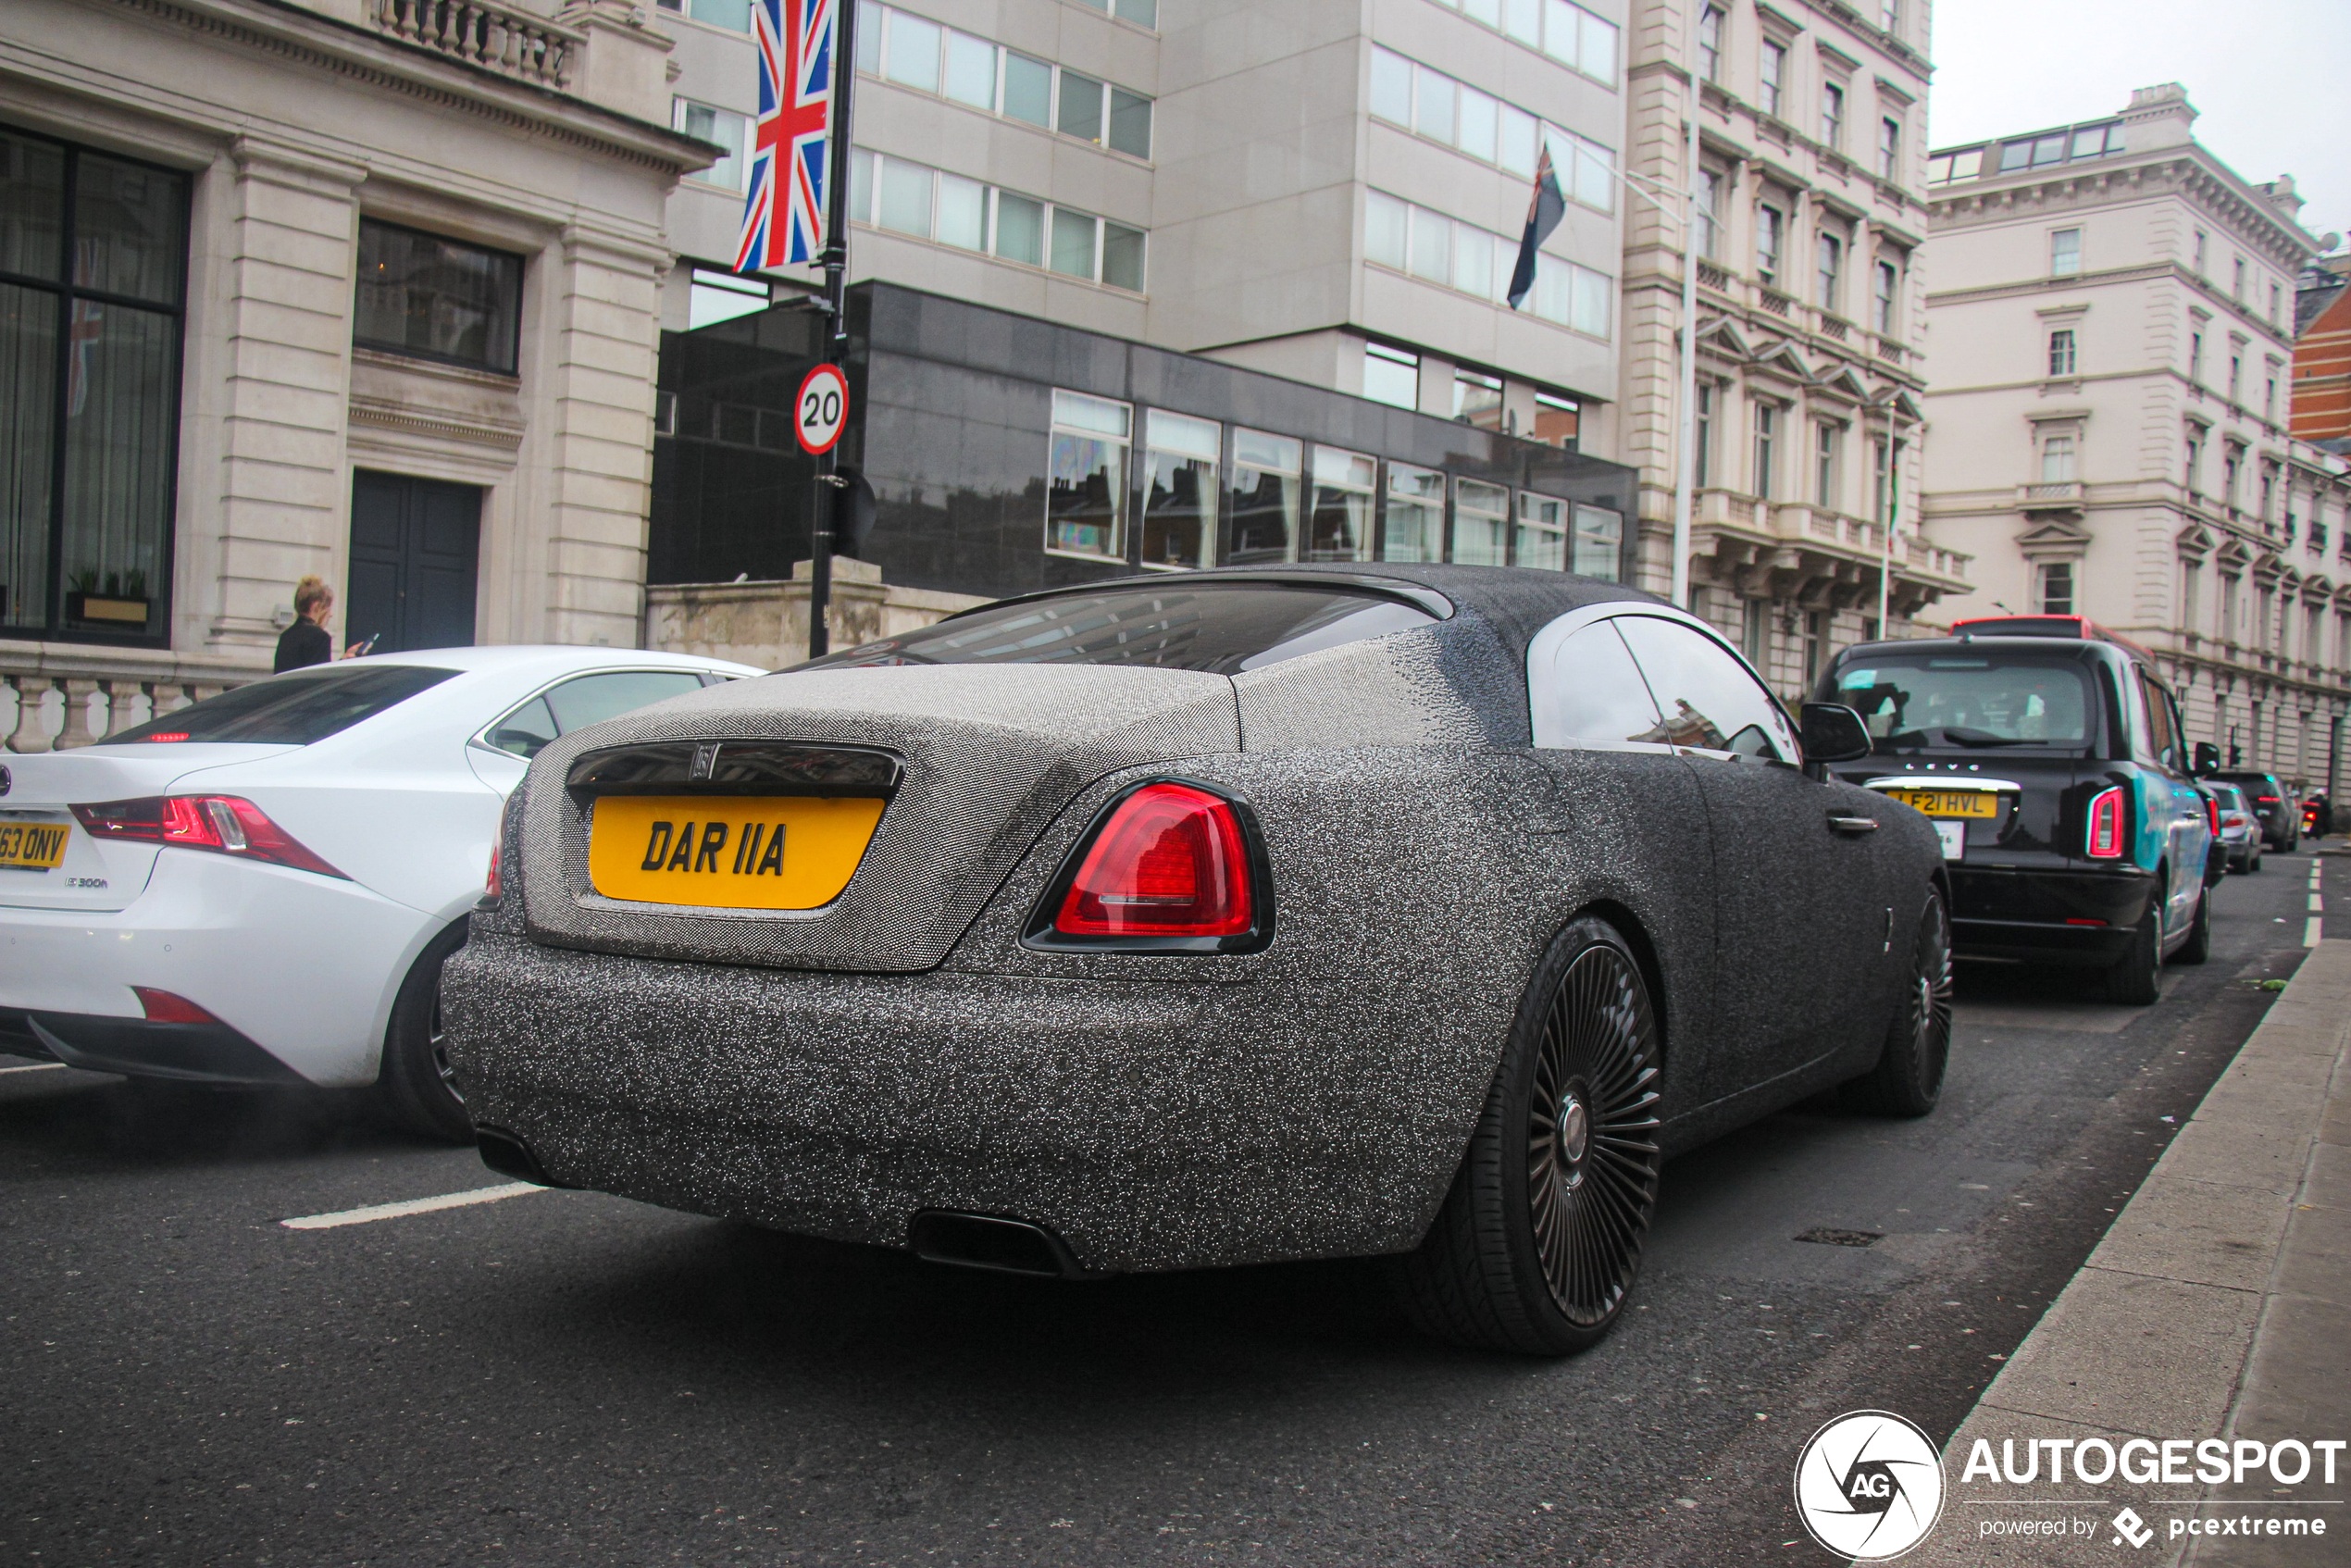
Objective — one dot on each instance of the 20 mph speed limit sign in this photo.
(821, 408)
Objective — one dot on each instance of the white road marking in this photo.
(413, 1206)
(37, 1068)
(2318, 905)
(2310, 932)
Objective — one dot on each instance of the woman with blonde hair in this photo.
(306, 643)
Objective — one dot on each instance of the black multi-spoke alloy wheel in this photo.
(415, 1083)
(1539, 1240)
(1908, 1078)
(2198, 946)
(2137, 978)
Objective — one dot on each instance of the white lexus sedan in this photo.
(260, 888)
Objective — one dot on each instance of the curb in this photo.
(2217, 1304)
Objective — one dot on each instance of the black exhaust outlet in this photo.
(510, 1156)
(994, 1242)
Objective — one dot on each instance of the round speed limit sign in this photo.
(821, 408)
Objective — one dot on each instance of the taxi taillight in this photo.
(2107, 836)
(222, 824)
(2212, 814)
(1171, 860)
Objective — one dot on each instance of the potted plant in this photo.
(118, 601)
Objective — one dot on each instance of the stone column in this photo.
(285, 298)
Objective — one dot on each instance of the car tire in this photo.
(415, 1085)
(1908, 1078)
(2137, 978)
(2198, 947)
(1537, 1244)
(2254, 864)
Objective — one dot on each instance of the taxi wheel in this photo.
(1538, 1243)
(414, 1084)
(1908, 1078)
(2198, 947)
(2137, 978)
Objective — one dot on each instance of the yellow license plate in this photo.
(728, 852)
(1950, 803)
(31, 846)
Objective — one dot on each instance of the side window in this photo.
(1708, 699)
(1593, 691)
(584, 700)
(2162, 741)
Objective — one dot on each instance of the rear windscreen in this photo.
(1221, 627)
(1971, 699)
(289, 710)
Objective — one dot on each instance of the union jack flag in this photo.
(784, 213)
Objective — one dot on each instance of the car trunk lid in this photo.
(86, 873)
(953, 769)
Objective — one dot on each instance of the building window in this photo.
(1599, 542)
(2196, 357)
(1416, 516)
(1558, 420)
(434, 298)
(2055, 588)
(2195, 464)
(1179, 489)
(2065, 252)
(1816, 636)
(1755, 633)
(1832, 263)
(732, 15)
(2229, 465)
(1542, 541)
(2191, 586)
(706, 122)
(2275, 298)
(926, 203)
(1824, 486)
(2198, 264)
(1709, 214)
(2269, 397)
(2057, 460)
(2236, 282)
(712, 297)
(1478, 399)
(1889, 16)
(1709, 43)
(1391, 376)
(1481, 523)
(2236, 373)
(1831, 115)
(2033, 152)
(1702, 438)
(1339, 529)
(1889, 149)
(1774, 72)
(95, 247)
(1085, 498)
(1945, 167)
(915, 51)
(1264, 496)
(1887, 296)
(2062, 351)
(1770, 230)
(1767, 422)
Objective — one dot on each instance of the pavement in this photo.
(2217, 1306)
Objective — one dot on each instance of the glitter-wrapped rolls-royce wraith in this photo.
(1179, 922)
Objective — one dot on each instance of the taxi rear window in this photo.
(1222, 628)
(294, 709)
(1974, 699)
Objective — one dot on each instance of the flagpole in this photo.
(830, 488)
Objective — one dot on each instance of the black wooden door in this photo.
(415, 546)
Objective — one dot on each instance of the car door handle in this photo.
(1852, 824)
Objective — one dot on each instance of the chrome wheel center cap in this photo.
(1575, 1129)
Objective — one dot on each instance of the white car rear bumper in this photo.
(301, 966)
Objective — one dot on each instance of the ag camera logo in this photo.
(1869, 1486)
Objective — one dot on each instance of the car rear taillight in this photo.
(2212, 813)
(2108, 839)
(223, 824)
(1169, 861)
(164, 1007)
(489, 891)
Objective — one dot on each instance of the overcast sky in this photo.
(2272, 79)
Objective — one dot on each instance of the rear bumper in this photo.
(2048, 915)
(1149, 1124)
(211, 1053)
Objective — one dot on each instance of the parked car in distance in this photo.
(2050, 754)
(1206, 919)
(2274, 805)
(2240, 830)
(261, 887)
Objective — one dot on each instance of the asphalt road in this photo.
(564, 1378)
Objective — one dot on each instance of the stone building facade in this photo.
(1811, 217)
(367, 289)
(2107, 382)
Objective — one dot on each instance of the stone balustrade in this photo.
(53, 701)
(500, 38)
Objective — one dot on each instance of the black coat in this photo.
(301, 645)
